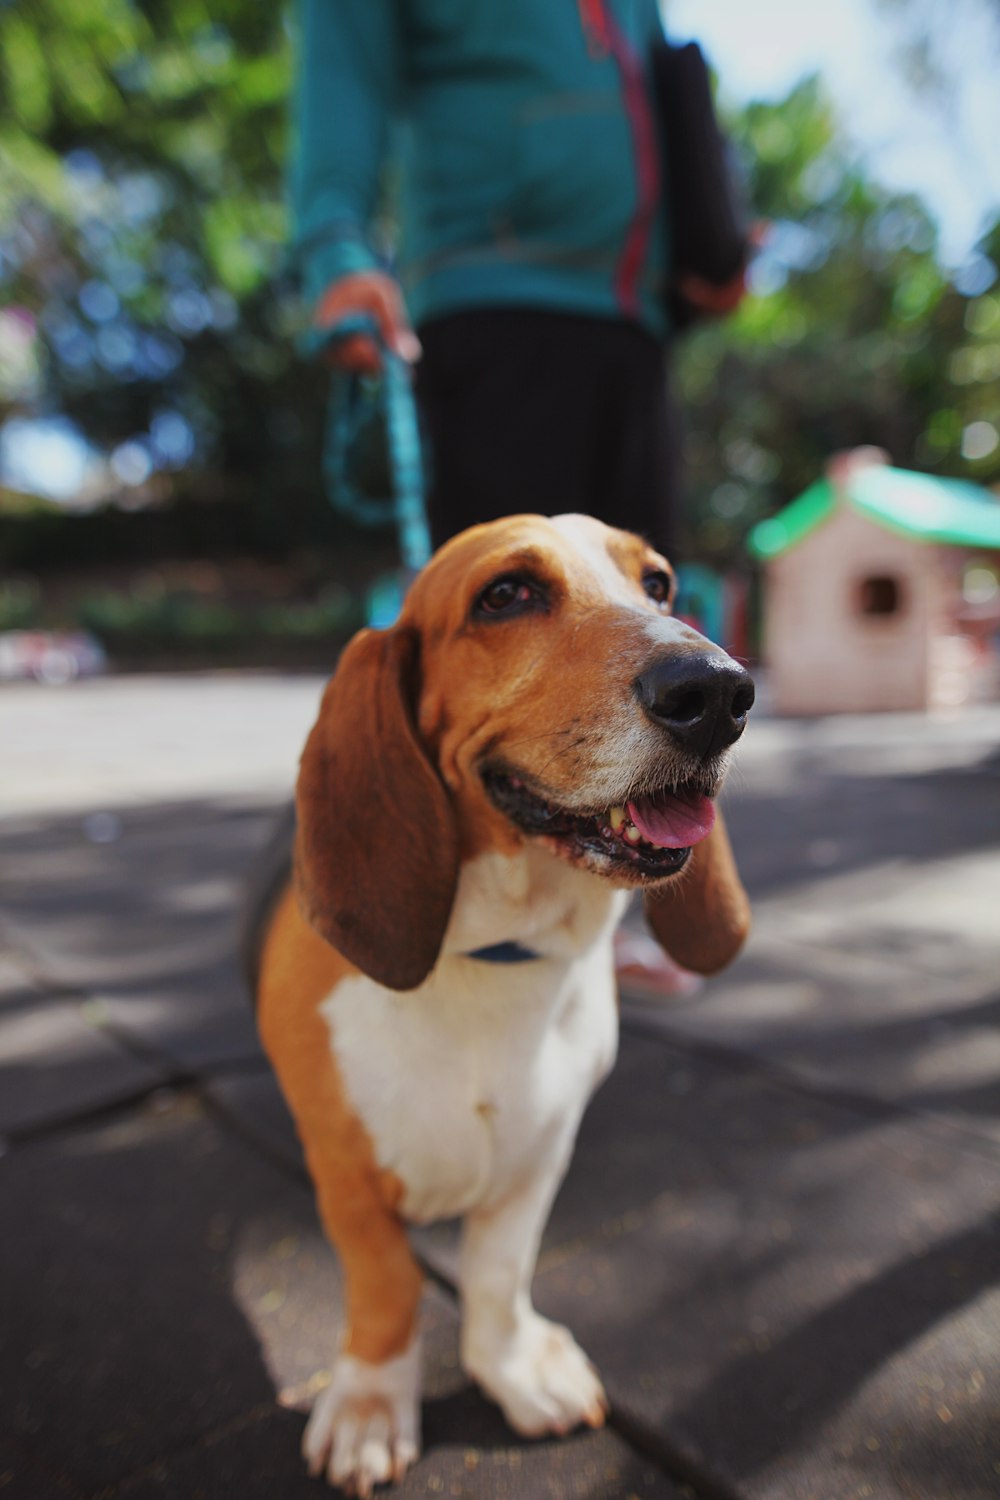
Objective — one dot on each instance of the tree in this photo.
(141, 199)
(853, 334)
(142, 233)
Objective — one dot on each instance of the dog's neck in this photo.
(535, 899)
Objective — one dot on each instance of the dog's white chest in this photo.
(477, 1078)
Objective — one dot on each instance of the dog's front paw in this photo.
(540, 1377)
(365, 1427)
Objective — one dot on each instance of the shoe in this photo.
(642, 968)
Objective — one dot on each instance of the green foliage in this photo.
(853, 334)
(144, 618)
(142, 233)
(142, 226)
(192, 95)
(20, 601)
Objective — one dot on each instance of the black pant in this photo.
(546, 412)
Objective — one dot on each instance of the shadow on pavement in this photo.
(772, 1279)
(826, 819)
(122, 1340)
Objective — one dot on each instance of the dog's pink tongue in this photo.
(672, 821)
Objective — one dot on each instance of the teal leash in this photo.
(357, 403)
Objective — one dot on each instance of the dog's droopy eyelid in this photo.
(509, 594)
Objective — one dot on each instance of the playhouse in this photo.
(881, 591)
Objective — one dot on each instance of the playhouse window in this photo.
(880, 595)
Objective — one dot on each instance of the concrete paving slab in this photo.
(24, 1478)
(122, 1339)
(139, 911)
(130, 741)
(786, 1295)
(852, 1023)
(164, 1289)
(170, 1308)
(283, 1286)
(15, 978)
(874, 965)
(54, 1066)
(925, 915)
(793, 1292)
(797, 1298)
(875, 846)
(261, 1460)
(253, 1105)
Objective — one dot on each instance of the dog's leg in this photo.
(533, 1368)
(365, 1427)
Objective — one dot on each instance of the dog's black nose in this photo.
(702, 699)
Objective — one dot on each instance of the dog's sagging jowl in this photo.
(536, 736)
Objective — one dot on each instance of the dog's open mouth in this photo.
(648, 836)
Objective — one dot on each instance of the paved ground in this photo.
(779, 1236)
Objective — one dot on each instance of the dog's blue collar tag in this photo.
(504, 953)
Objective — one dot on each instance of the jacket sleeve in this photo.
(348, 71)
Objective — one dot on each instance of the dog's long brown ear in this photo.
(376, 857)
(702, 920)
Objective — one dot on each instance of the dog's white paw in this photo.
(540, 1377)
(365, 1427)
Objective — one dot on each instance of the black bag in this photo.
(707, 215)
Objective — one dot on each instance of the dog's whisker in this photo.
(546, 734)
(565, 750)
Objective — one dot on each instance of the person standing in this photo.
(531, 284)
(534, 245)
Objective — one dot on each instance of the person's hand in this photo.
(715, 300)
(709, 298)
(370, 294)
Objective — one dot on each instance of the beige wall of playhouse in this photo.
(881, 592)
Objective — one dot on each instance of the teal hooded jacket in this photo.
(522, 137)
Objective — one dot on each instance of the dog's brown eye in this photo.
(657, 585)
(505, 594)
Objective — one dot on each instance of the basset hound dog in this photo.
(485, 783)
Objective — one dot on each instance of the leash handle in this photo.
(355, 402)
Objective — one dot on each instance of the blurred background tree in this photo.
(142, 230)
(146, 330)
(854, 334)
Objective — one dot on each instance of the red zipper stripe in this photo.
(644, 142)
(593, 21)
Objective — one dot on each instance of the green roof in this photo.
(918, 505)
